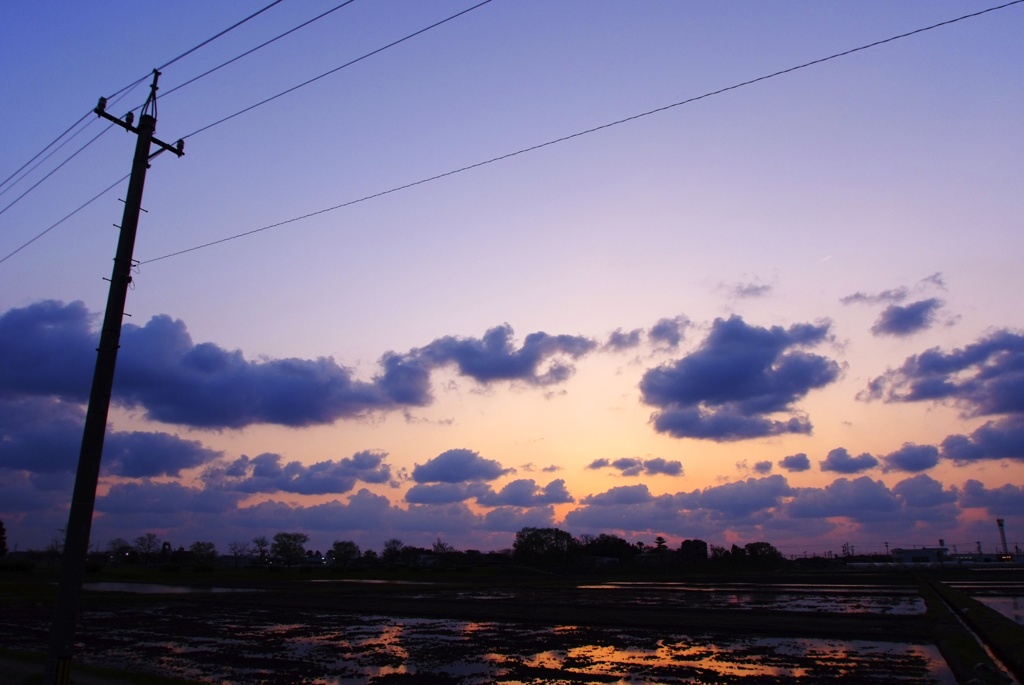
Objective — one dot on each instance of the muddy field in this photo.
(336, 633)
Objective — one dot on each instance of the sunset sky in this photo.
(788, 311)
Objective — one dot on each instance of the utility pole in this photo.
(76, 541)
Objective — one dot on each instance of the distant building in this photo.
(920, 555)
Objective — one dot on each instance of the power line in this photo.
(392, 44)
(68, 216)
(196, 47)
(38, 154)
(123, 91)
(55, 169)
(578, 134)
(347, 64)
(258, 47)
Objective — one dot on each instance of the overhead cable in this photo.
(258, 47)
(336, 69)
(114, 97)
(579, 134)
(68, 216)
(55, 169)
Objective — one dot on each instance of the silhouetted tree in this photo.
(442, 548)
(344, 552)
(660, 544)
(147, 545)
(121, 551)
(543, 546)
(239, 550)
(392, 550)
(289, 547)
(262, 544)
(606, 545)
(203, 552)
(762, 553)
(693, 551)
(3, 539)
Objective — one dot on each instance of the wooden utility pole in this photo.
(76, 541)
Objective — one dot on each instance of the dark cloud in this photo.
(740, 375)
(48, 350)
(44, 435)
(458, 466)
(1006, 500)
(861, 499)
(763, 467)
(903, 320)
(622, 340)
(624, 494)
(493, 357)
(513, 519)
(923, 491)
(739, 499)
(912, 458)
(442, 493)
(796, 462)
(269, 473)
(526, 493)
(147, 455)
(840, 461)
(985, 378)
(634, 466)
(165, 498)
(1003, 439)
(668, 332)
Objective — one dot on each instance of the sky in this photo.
(788, 311)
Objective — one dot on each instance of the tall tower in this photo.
(1002, 536)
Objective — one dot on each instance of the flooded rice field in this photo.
(270, 639)
(843, 599)
(1006, 597)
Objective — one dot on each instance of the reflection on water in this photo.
(1005, 596)
(1011, 607)
(234, 645)
(157, 589)
(841, 599)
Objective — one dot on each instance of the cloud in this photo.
(984, 378)
(1006, 500)
(923, 491)
(900, 321)
(164, 498)
(621, 340)
(624, 494)
(739, 499)
(745, 291)
(48, 350)
(458, 466)
(912, 458)
(267, 473)
(893, 295)
(840, 461)
(796, 462)
(634, 466)
(1003, 439)
(526, 493)
(147, 455)
(668, 332)
(737, 378)
(493, 357)
(861, 499)
(763, 467)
